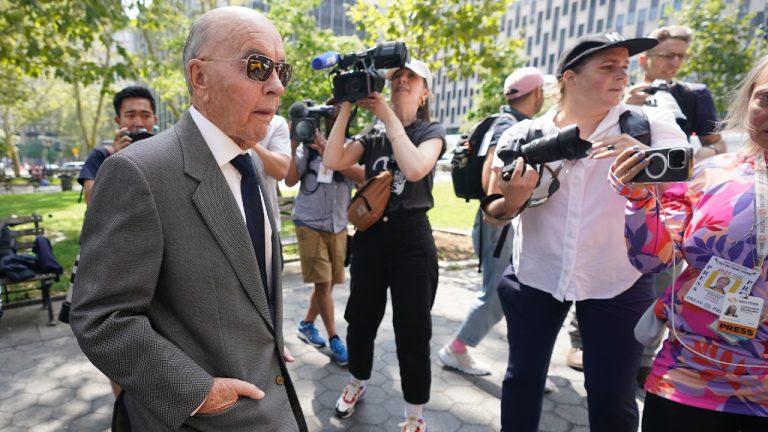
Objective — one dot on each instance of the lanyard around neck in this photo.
(761, 209)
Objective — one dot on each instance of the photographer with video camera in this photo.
(320, 218)
(397, 252)
(569, 246)
(711, 373)
(691, 103)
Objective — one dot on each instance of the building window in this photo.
(653, 13)
(599, 25)
(678, 4)
(631, 12)
(572, 27)
(620, 23)
(538, 28)
(640, 23)
(549, 8)
(565, 7)
(581, 30)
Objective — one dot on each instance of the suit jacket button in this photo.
(279, 380)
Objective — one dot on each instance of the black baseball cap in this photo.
(585, 46)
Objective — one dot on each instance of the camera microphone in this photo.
(325, 60)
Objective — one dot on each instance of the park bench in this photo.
(24, 230)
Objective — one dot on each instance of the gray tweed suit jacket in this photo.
(168, 293)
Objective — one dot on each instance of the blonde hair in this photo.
(736, 120)
(682, 33)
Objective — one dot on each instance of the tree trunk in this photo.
(13, 152)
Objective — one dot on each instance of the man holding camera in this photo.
(135, 118)
(320, 217)
(694, 100)
(524, 91)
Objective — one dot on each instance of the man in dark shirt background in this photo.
(695, 100)
(134, 110)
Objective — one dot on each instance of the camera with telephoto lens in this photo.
(356, 74)
(138, 135)
(564, 145)
(666, 165)
(661, 97)
(305, 119)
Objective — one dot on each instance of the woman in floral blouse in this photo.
(712, 372)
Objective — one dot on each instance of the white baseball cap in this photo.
(417, 66)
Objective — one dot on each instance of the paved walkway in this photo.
(47, 384)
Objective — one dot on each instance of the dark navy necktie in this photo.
(254, 213)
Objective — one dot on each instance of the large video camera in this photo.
(305, 119)
(661, 97)
(565, 144)
(356, 74)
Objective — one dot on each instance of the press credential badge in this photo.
(718, 278)
(740, 316)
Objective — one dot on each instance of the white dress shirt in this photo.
(224, 150)
(572, 246)
(278, 140)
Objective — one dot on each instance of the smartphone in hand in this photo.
(666, 165)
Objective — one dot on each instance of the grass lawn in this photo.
(63, 218)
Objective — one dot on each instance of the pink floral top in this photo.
(712, 214)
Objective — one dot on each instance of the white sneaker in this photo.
(461, 362)
(413, 424)
(345, 406)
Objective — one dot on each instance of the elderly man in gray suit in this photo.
(178, 297)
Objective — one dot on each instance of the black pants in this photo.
(664, 415)
(611, 353)
(397, 253)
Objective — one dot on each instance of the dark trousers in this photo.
(398, 254)
(611, 353)
(664, 415)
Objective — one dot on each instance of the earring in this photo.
(423, 101)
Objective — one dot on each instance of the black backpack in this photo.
(466, 165)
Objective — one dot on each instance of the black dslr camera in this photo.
(661, 97)
(565, 144)
(363, 78)
(140, 134)
(305, 119)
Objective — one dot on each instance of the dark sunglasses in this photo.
(259, 68)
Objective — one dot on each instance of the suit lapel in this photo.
(218, 208)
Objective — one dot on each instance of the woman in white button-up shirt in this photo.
(571, 248)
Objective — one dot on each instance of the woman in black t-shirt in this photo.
(398, 252)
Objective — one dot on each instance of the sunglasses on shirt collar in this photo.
(259, 68)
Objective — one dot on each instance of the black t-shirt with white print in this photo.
(377, 156)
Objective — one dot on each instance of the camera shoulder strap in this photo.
(533, 133)
(634, 122)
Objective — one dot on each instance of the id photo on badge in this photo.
(719, 283)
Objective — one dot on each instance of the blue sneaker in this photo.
(308, 333)
(339, 351)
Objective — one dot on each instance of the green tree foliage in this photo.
(304, 40)
(459, 36)
(489, 93)
(724, 46)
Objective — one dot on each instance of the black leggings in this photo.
(664, 415)
(398, 254)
